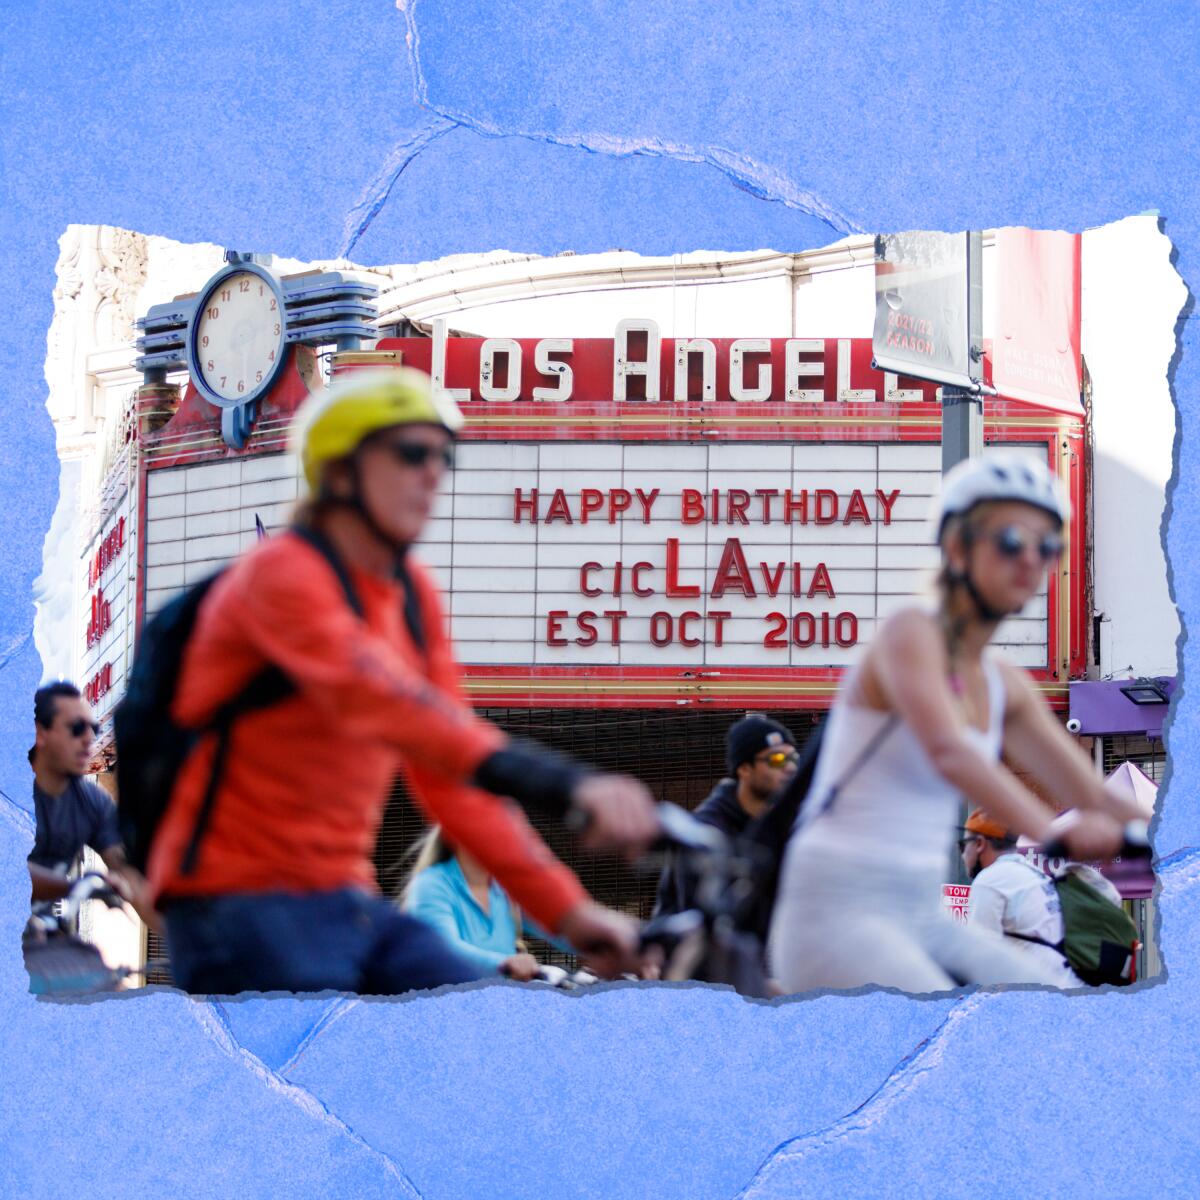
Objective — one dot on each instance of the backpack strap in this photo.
(266, 689)
(1037, 941)
(861, 761)
(412, 606)
(319, 542)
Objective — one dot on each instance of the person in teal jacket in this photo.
(454, 893)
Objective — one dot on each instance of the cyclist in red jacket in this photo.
(282, 893)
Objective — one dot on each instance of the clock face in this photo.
(238, 341)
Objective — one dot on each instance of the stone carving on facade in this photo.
(122, 271)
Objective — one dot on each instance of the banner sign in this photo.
(1036, 348)
(956, 897)
(926, 324)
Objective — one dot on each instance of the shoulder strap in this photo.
(267, 688)
(996, 693)
(412, 606)
(1037, 941)
(319, 542)
(867, 751)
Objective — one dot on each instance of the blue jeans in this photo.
(346, 941)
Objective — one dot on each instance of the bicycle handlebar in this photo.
(1134, 845)
(92, 886)
(558, 977)
(681, 831)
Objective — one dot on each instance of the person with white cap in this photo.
(919, 724)
(279, 892)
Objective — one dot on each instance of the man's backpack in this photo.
(151, 747)
(1100, 940)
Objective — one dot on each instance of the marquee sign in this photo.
(638, 364)
(104, 589)
(602, 543)
(655, 554)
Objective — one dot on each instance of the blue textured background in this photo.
(312, 128)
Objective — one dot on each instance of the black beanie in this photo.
(752, 735)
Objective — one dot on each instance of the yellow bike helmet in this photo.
(333, 423)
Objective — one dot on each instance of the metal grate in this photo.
(1147, 754)
(156, 952)
(679, 755)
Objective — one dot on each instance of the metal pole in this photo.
(962, 428)
(962, 408)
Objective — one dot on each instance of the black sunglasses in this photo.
(79, 725)
(1012, 542)
(415, 454)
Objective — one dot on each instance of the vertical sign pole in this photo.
(962, 432)
(962, 409)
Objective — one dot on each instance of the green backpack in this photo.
(1100, 940)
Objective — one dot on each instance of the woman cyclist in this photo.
(918, 724)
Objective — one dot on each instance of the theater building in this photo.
(682, 492)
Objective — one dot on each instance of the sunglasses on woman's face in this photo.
(79, 726)
(417, 454)
(1012, 542)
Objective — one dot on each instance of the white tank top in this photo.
(895, 809)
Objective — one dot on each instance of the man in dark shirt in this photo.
(70, 812)
(761, 756)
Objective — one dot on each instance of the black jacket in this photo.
(719, 809)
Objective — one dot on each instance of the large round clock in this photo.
(236, 337)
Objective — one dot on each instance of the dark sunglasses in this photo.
(79, 725)
(414, 454)
(777, 758)
(1012, 542)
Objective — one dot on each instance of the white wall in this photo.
(1131, 298)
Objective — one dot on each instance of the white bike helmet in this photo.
(1004, 475)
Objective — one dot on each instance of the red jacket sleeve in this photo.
(495, 832)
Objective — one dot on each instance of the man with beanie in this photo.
(760, 757)
(1009, 895)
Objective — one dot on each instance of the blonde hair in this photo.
(427, 851)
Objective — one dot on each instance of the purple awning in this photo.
(1101, 707)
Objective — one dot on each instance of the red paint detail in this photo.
(554, 620)
(684, 618)
(821, 582)
(523, 503)
(856, 510)
(636, 577)
(559, 510)
(590, 500)
(584, 572)
(673, 587)
(733, 572)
